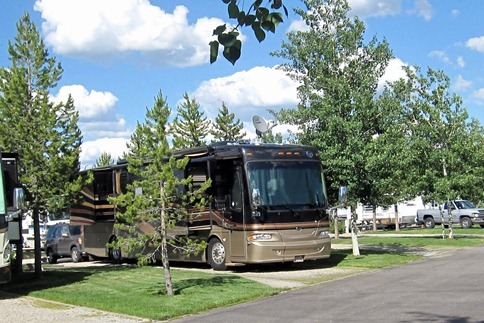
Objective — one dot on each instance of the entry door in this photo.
(64, 243)
(238, 241)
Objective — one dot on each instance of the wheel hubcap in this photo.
(218, 253)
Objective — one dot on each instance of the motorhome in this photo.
(268, 205)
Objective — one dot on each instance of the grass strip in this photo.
(140, 291)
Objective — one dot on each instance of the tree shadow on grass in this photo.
(23, 284)
(215, 282)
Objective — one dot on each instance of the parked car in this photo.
(64, 240)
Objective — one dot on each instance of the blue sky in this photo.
(118, 54)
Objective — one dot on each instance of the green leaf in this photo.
(257, 4)
(285, 11)
(233, 10)
(220, 29)
(227, 39)
(232, 53)
(259, 33)
(269, 26)
(249, 19)
(262, 13)
(277, 4)
(213, 51)
(241, 18)
(276, 17)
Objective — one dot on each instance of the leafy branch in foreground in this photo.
(260, 18)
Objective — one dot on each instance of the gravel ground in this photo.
(33, 310)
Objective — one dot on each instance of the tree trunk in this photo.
(354, 234)
(442, 216)
(451, 224)
(164, 251)
(373, 208)
(37, 246)
(336, 224)
(397, 221)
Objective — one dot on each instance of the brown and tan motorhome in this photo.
(268, 205)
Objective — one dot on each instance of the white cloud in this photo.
(478, 96)
(441, 55)
(298, 25)
(461, 62)
(97, 112)
(92, 150)
(375, 8)
(393, 72)
(423, 9)
(455, 13)
(113, 28)
(476, 43)
(248, 92)
(89, 104)
(362, 9)
(461, 84)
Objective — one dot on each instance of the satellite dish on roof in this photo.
(260, 125)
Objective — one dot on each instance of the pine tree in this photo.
(152, 162)
(191, 126)
(104, 160)
(45, 134)
(225, 128)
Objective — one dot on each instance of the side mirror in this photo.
(343, 195)
(19, 198)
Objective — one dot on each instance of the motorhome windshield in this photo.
(286, 183)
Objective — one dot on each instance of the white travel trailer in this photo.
(385, 216)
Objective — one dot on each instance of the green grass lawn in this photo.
(140, 291)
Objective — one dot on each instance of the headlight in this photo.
(323, 234)
(6, 254)
(475, 215)
(259, 236)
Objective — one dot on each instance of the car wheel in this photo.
(76, 255)
(216, 254)
(429, 223)
(466, 222)
(115, 253)
(51, 257)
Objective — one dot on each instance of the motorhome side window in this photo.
(199, 175)
(236, 192)
(126, 178)
(103, 186)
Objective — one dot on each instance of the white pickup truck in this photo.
(462, 211)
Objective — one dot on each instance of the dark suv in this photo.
(64, 240)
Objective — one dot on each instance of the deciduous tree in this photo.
(441, 146)
(338, 74)
(259, 18)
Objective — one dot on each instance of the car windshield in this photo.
(465, 204)
(287, 183)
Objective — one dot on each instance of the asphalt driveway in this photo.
(447, 287)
